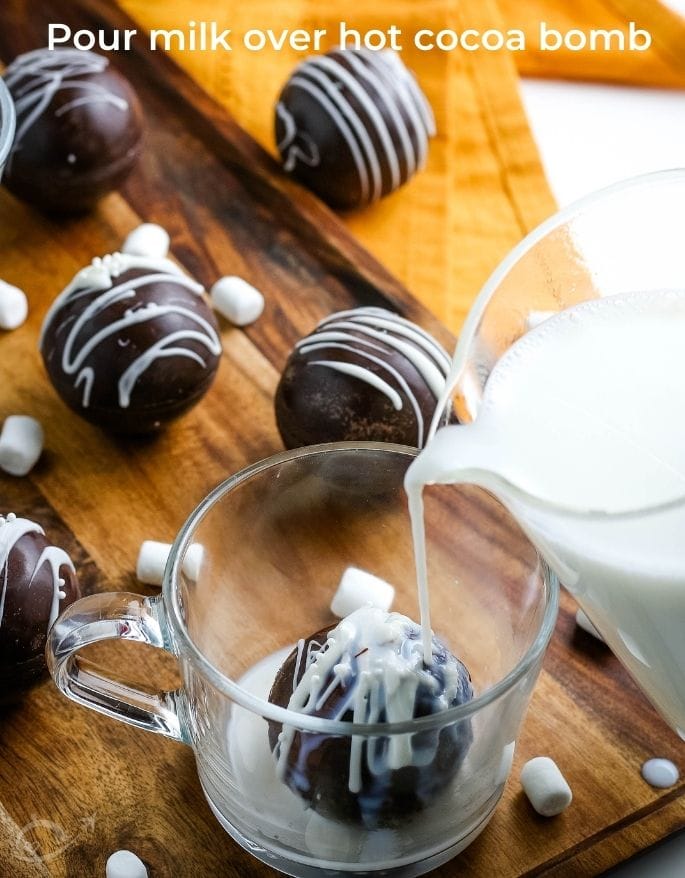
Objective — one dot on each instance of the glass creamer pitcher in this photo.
(626, 569)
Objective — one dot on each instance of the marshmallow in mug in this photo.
(359, 589)
(153, 557)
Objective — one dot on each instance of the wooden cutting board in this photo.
(75, 786)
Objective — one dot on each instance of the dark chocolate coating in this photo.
(318, 765)
(168, 387)
(86, 138)
(352, 126)
(316, 403)
(28, 598)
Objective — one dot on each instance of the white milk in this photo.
(586, 414)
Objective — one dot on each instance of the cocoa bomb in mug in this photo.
(353, 125)
(131, 343)
(79, 129)
(37, 581)
(370, 669)
(362, 375)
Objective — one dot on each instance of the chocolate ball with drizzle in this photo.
(131, 343)
(37, 581)
(353, 126)
(365, 374)
(370, 669)
(79, 129)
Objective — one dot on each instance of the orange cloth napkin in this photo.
(662, 65)
(484, 187)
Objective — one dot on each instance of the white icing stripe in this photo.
(353, 119)
(343, 127)
(98, 279)
(364, 375)
(354, 348)
(12, 529)
(397, 69)
(36, 77)
(371, 648)
(388, 94)
(424, 366)
(413, 100)
(381, 316)
(341, 74)
(292, 150)
(101, 273)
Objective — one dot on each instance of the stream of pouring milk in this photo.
(586, 413)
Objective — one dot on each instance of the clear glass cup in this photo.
(7, 125)
(625, 570)
(275, 540)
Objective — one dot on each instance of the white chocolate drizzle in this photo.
(367, 333)
(377, 107)
(12, 529)
(378, 668)
(36, 77)
(98, 282)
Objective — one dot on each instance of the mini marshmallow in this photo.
(192, 563)
(361, 589)
(14, 306)
(545, 786)
(153, 557)
(21, 444)
(582, 621)
(124, 864)
(535, 318)
(237, 300)
(148, 240)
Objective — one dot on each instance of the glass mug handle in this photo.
(114, 616)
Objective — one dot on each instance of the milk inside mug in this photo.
(579, 430)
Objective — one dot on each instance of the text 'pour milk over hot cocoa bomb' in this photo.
(131, 343)
(370, 669)
(79, 129)
(353, 126)
(362, 375)
(37, 581)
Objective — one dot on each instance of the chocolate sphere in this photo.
(131, 343)
(37, 581)
(353, 126)
(79, 129)
(365, 374)
(370, 668)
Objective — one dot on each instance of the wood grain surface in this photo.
(75, 786)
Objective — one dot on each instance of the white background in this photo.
(590, 136)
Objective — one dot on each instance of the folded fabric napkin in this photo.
(483, 188)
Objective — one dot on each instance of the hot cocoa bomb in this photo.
(370, 669)
(353, 126)
(37, 581)
(131, 343)
(79, 129)
(362, 375)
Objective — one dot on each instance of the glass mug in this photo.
(7, 125)
(275, 540)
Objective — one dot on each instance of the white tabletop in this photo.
(590, 136)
